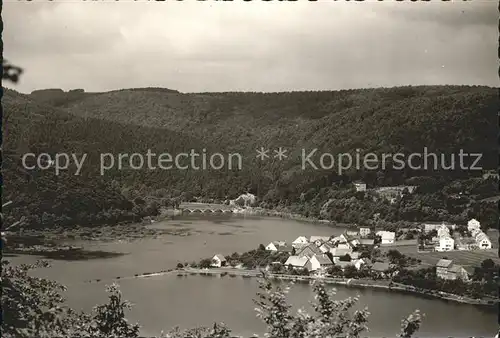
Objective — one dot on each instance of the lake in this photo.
(161, 302)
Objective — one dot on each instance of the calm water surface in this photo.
(162, 302)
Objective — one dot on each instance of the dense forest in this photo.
(444, 119)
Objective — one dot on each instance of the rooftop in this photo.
(296, 261)
(444, 263)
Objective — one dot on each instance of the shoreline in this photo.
(350, 282)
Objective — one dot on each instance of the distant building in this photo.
(445, 269)
(296, 262)
(279, 246)
(443, 231)
(398, 189)
(442, 267)
(482, 240)
(339, 252)
(319, 262)
(300, 241)
(490, 174)
(218, 261)
(360, 186)
(364, 232)
(273, 246)
(359, 263)
(458, 272)
(473, 224)
(352, 233)
(446, 243)
(388, 237)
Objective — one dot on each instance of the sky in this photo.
(210, 46)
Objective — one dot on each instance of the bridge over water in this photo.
(208, 208)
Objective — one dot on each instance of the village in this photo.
(364, 252)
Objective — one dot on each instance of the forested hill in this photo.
(386, 120)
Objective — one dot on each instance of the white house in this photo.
(297, 262)
(360, 186)
(483, 242)
(300, 241)
(273, 246)
(364, 232)
(339, 252)
(218, 261)
(473, 224)
(321, 262)
(318, 262)
(246, 200)
(446, 243)
(387, 237)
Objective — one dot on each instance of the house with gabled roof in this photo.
(442, 267)
(218, 261)
(309, 251)
(359, 185)
(279, 246)
(363, 231)
(319, 262)
(300, 241)
(473, 224)
(388, 237)
(296, 262)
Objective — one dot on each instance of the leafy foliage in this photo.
(332, 318)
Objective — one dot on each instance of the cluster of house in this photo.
(482, 240)
(318, 253)
(445, 242)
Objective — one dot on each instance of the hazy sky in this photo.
(250, 46)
